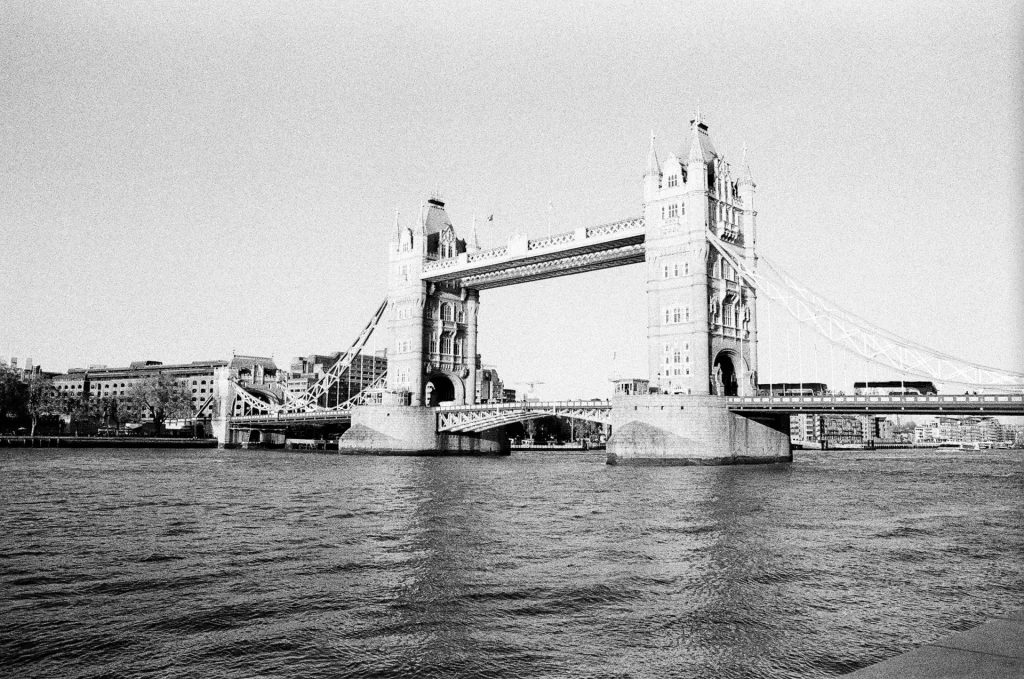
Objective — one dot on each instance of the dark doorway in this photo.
(439, 389)
(724, 376)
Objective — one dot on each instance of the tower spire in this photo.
(473, 242)
(653, 168)
(696, 152)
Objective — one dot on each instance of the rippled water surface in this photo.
(125, 563)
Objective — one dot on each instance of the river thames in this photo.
(206, 563)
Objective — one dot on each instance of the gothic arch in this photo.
(728, 373)
(442, 386)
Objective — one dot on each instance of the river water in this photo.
(205, 563)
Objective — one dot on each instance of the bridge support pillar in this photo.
(412, 430)
(221, 422)
(693, 430)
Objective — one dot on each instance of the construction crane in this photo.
(531, 385)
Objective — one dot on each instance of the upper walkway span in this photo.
(522, 260)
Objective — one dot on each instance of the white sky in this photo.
(183, 179)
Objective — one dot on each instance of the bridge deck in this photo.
(980, 404)
(285, 419)
(485, 416)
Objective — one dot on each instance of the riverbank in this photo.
(103, 442)
(994, 649)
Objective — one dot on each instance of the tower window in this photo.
(673, 211)
(673, 181)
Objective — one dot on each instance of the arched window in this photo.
(446, 344)
(446, 312)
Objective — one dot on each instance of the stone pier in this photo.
(693, 430)
(412, 430)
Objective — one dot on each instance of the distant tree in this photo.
(905, 427)
(13, 397)
(161, 396)
(43, 399)
(99, 410)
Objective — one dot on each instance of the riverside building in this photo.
(365, 369)
(99, 381)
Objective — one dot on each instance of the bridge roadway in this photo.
(472, 418)
(967, 404)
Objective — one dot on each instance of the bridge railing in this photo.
(289, 417)
(882, 398)
(625, 226)
(526, 405)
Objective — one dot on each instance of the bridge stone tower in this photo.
(433, 325)
(433, 356)
(702, 319)
(702, 316)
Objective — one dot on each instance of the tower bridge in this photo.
(696, 242)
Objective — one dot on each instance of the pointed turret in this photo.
(748, 218)
(744, 172)
(700, 155)
(652, 176)
(473, 244)
(701, 147)
(653, 167)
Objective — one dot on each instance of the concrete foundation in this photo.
(221, 429)
(692, 430)
(412, 430)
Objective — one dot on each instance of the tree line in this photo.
(24, 401)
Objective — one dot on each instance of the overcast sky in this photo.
(179, 180)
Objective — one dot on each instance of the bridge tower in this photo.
(702, 337)
(433, 357)
(701, 322)
(433, 325)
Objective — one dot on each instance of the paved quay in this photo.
(993, 650)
